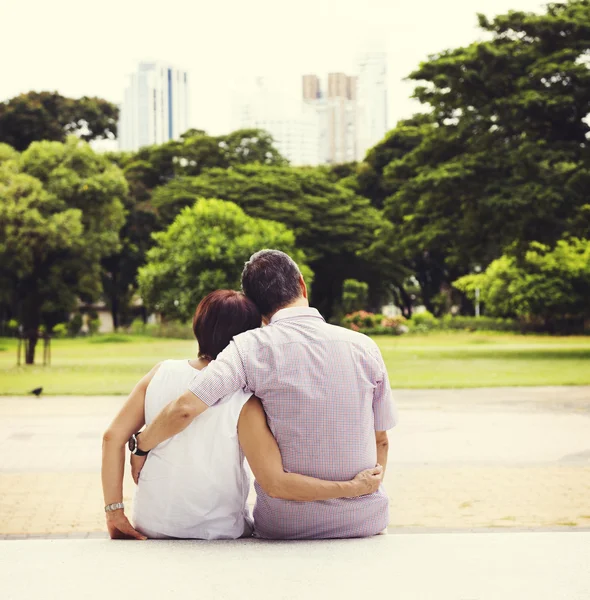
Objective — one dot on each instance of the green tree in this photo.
(60, 213)
(550, 285)
(355, 295)
(195, 153)
(205, 249)
(37, 116)
(503, 158)
(331, 223)
(119, 275)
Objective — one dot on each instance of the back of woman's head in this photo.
(219, 317)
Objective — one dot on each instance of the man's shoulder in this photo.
(342, 334)
(251, 337)
(262, 336)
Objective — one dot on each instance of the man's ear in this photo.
(303, 286)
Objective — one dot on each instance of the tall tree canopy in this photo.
(196, 152)
(205, 249)
(37, 116)
(503, 158)
(60, 213)
(331, 223)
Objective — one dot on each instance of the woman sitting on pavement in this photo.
(195, 485)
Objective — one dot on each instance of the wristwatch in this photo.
(133, 445)
(114, 506)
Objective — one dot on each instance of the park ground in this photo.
(112, 364)
(460, 460)
(497, 438)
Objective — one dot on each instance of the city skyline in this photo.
(223, 44)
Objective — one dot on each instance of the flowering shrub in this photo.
(393, 322)
(362, 319)
(374, 324)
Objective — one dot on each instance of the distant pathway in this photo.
(459, 459)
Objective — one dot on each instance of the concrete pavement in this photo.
(516, 566)
(459, 459)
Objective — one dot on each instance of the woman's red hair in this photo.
(220, 316)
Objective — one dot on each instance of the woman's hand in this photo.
(120, 528)
(369, 480)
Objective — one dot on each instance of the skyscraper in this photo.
(293, 127)
(155, 107)
(372, 100)
(337, 115)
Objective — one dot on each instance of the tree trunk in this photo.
(30, 317)
(406, 302)
(30, 345)
(115, 310)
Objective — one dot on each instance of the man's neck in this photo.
(299, 303)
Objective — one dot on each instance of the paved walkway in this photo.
(498, 566)
(460, 459)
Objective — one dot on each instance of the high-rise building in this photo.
(372, 100)
(293, 127)
(337, 115)
(155, 107)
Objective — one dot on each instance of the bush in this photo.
(480, 324)
(361, 319)
(75, 325)
(93, 326)
(60, 330)
(166, 329)
(374, 324)
(425, 320)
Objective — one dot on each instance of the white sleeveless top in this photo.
(193, 485)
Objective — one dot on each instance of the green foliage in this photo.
(355, 295)
(374, 324)
(361, 319)
(546, 284)
(426, 320)
(205, 249)
(38, 116)
(194, 154)
(482, 323)
(93, 326)
(501, 161)
(74, 325)
(154, 166)
(330, 222)
(60, 213)
(165, 329)
(60, 330)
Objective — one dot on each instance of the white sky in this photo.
(87, 48)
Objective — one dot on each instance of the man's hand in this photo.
(137, 463)
(120, 528)
(369, 480)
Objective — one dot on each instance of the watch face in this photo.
(132, 443)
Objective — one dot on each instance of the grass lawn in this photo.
(98, 366)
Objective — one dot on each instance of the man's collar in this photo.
(295, 312)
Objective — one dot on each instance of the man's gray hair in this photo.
(271, 280)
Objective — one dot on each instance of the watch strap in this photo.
(114, 506)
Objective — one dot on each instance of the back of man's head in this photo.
(271, 279)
